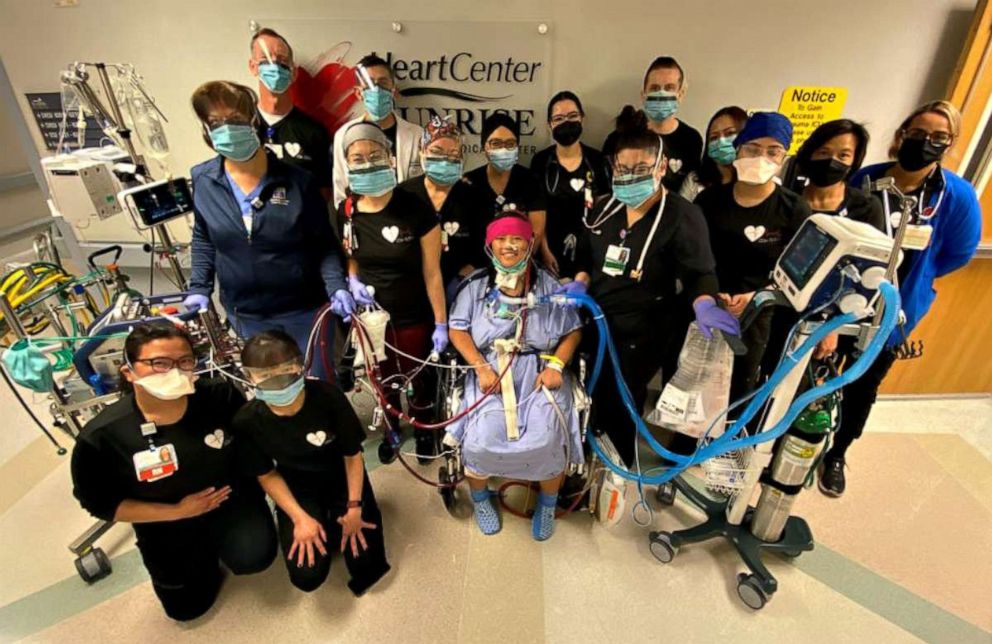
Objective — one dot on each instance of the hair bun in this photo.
(631, 120)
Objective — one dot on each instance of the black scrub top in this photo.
(747, 241)
(103, 470)
(680, 250)
(307, 449)
(565, 196)
(521, 192)
(860, 207)
(683, 150)
(462, 233)
(389, 255)
(302, 141)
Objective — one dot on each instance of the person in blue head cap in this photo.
(750, 222)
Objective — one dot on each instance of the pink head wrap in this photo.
(509, 224)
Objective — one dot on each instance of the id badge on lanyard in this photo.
(158, 461)
(616, 260)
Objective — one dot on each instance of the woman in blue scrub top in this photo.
(948, 204)
(260, 227)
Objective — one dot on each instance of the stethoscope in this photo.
(609, 210)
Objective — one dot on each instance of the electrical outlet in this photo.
(65, 4)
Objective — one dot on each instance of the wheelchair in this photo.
(448, 399)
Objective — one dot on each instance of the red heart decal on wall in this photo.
(324, 88)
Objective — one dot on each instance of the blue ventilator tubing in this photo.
(728, 441)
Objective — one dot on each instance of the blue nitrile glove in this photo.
(575, 287)
(709, 316)
(196, 302)
(342, 304)
(440, 337)
(359, 291)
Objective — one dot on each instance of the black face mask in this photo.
(916, 154)
(826, 172)
(567, 133)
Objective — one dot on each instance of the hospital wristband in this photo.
(554, 362)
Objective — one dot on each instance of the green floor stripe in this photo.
(889, 600)
(69, 597)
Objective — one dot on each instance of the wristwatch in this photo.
(354, 504)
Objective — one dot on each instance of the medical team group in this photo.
(663, 227)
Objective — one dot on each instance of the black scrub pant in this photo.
(183, 557)
(365, 569)
(641, 348)
(858, 397)
(747, 368)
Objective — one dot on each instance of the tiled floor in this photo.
(905, 555)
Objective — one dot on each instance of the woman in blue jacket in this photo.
(260, 227)
(948, 204)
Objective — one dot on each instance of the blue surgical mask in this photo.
(378, 102)
(372, 182)
(503, 160)
(722, 150)
(633, 191)
(236, 142)
(275, 76)
(661, 104)
(443, 172)
(281, 397)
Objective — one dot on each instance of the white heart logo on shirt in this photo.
(577, 184)
(391, 233)
(675, 165)
(317, 438)
(215, 440)
(451, 227)
(293, 149)
(754, 233)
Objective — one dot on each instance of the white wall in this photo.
(891, 54)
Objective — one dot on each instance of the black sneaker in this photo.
(387, 453)
(831, 479)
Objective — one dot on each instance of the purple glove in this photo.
(196, 302)
(575, 287)
(709, 316)
(440, 337)
(342, 304)
(359, 291)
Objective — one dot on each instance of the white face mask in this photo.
(171, 385)
(756, 170)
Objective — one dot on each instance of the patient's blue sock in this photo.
(486, 514)
(543, 525)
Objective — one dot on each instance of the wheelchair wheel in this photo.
(93, 566)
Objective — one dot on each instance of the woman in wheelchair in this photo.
(527, 429)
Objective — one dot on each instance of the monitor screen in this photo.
(805, 253)
(159, 203)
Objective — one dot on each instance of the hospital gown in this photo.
(545, 447)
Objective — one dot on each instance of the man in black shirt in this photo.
(664, 89)
(293, 136)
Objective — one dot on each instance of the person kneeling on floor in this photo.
(303, 441)
(527, 428)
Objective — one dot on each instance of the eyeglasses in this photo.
(558, 119)
(214, 123)
(639, 170)
(501, 144)
(279, 60)
(938, 138)
(163, 365)
(774, 153)
(441, 155)
(360, 161)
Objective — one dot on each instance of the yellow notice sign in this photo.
(809, 107)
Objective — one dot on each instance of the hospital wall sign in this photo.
(809, 107)
(441, 68)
